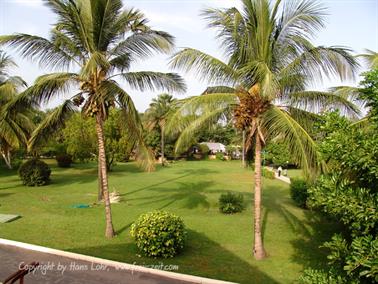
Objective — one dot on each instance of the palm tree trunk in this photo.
(109, 231)
(243, 150)
(7, 158)
(258, 248)
(100, 195)
(162, 144)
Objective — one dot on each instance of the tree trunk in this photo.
(258, 248)
(7, 158)
(162, 145)
(100, 195)
(109, 231)
(243, 150)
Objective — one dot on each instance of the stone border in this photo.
(125, 266)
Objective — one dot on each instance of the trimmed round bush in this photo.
(34, 172)
(159, 234)
(64, 161)
(230, 203)
(299, 192)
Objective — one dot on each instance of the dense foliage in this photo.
(350, 193)
(64, 160)
(277, 153)
(225, 134)
(34, 172)
(159, 234)
(230, 203)
(299, 192)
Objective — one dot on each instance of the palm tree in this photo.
(157, 115)
(371, 58)
(270, 63)
(15, 121)
(94, 42)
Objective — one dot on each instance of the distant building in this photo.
(215, 147)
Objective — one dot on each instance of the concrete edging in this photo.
(124, 266)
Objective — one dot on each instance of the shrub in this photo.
(230, 203)
(220, 156)
(312, 276)
(204, 149)
(64, 161)
(159, 234)
(16, 163)
(268, 174)
(299, 192)
(34, 173)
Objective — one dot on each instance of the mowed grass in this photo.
(219, 246)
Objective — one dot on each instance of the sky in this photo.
(350, 23)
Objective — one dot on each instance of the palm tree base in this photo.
(259, 254)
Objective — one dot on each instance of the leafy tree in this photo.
(278, 153)
(349, 193)
(157, 115)
(80, 137)
(225, 134)
(99, 40)
(270, 62)
(15, 116)
(119, 144)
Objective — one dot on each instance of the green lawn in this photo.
(218, 246)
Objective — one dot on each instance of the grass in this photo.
(295, 173)
(219, 246)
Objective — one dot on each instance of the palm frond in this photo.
(47, 86)
(190, 125)
(319, 62)
(148, 80)
(75, 19)
(39, 49)
(302, 18)
(219, 89)
(144, 44)
(370, 57)
(103, 14)
(133, 126)
(302, 148)
(206, 67)
(316, 102)
(51, 123)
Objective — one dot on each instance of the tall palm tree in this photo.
(15, 121)
(157, 115)
(270, 63)
(94, 42)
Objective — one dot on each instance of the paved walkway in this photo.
(76, 272)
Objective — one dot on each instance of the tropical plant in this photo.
(270, 63)
(157, 114)
(15, 117)
(230, 203)
(99, 40)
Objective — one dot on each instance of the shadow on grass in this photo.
(311, 231)
(192, 194)
(201, 257)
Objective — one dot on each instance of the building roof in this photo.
(215, 146)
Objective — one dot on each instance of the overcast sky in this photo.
(351, 23)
